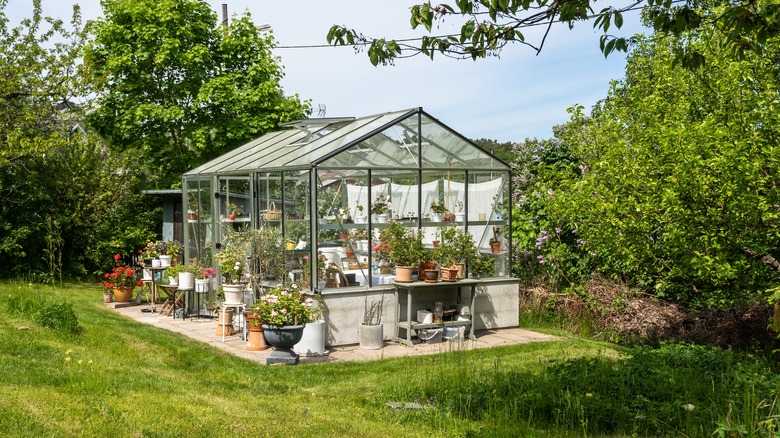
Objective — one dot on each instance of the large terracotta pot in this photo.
(495, 247)
(283, 338)
(403, 274)
(123, 294)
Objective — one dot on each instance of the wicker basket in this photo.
(272, 214)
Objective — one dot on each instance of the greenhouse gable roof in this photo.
(394, 140)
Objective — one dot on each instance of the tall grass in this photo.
(122, 378)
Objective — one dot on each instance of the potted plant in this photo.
(456, 249)
(284, 311)
(405, 248)
(121, 281)
(232, 261)
(380, 209)
(495, 241)
(360, 215)
(233, 210)
(460, 216)
(483, 266)
(148, 253)
(202, 279)
(360, 236)
(371, 333)
(167, 251)
(438, 210)
(173, 272)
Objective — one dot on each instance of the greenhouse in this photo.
(331, 185)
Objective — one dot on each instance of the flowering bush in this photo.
(285, 306)
(120, 276)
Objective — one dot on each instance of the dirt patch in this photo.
(637, 318)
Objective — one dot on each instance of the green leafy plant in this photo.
(404, 245)
(456, 246)
(439, 207)
(59, 316)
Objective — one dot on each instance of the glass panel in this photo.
(236, 206)
(296, 224)
(488, 218)
(199, 238)
(318, 149)
(443, 149)
(394, 147)
(444, 197)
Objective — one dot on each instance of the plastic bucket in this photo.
(430, 336)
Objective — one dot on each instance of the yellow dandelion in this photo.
(90, 361)
(80, 361)
(29, 285)
(69, 351)
(67, 359)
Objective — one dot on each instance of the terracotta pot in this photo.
(231, 217)
(256, 338)
(436, 243)
(225, 322)
(403, 274)
(123, 294)
(461, 269)
(495, 247)
(449, 274)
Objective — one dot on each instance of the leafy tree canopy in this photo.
(678, 189)
(177, 89)
(64, 206)
(489, 25)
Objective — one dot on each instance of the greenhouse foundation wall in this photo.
(497, 306)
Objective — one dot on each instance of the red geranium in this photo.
(120, 276)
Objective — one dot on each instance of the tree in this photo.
(178, 90)
(64, 206)
(745, 26)
(680, 192)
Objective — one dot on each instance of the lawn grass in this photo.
(121, 378)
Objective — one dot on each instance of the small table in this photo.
(182, 293)
(410, 288)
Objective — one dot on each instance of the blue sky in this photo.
(519, 95)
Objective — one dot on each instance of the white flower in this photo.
(689, 407)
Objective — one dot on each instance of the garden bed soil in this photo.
(639, 318)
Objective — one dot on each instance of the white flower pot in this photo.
(313, 340)
(435, 217)
(186, 280)
(156, 263)
(371, 337)
(362, 245)
(382, 218)
(361, 219)
(173, 281)
(460, 217)
(234, 293)
(165, 261)
(201, 286)
(148, 274)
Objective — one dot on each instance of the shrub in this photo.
(60, 316)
